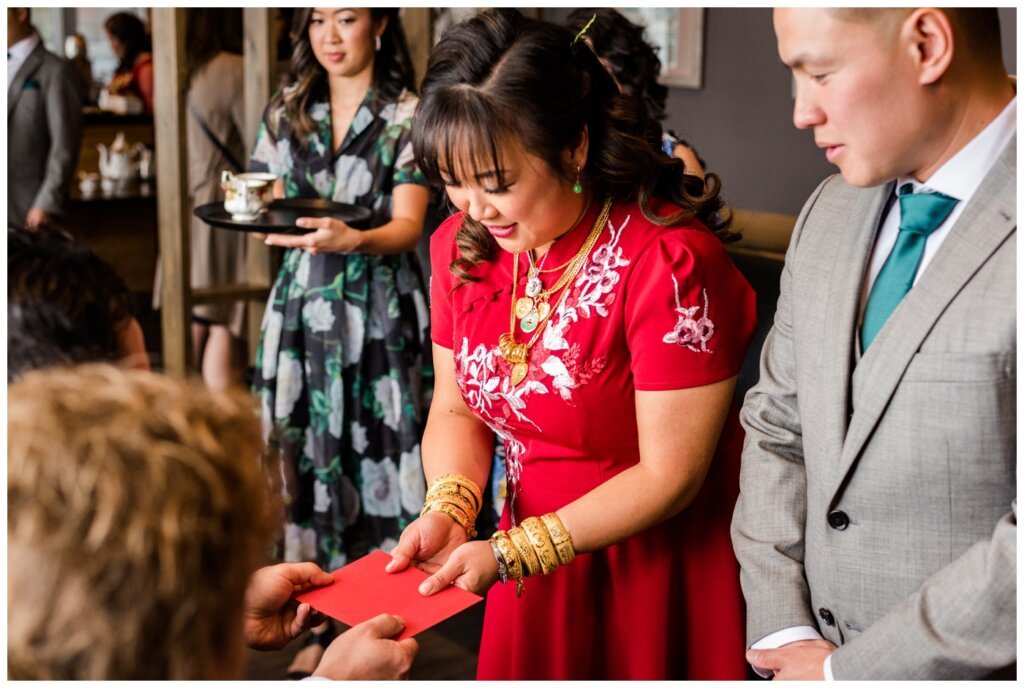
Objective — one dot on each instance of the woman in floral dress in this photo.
(584, 309)
(343, 370)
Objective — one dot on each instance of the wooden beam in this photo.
(419, 32)
(260, 55)
(169, 82)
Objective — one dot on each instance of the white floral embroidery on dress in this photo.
(490, 394)
(689, 331)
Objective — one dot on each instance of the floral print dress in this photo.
(343, 372)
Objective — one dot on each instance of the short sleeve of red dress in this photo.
(442, 252)
(689, 313)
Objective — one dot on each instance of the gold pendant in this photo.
(523, 306)
(519, 371)
(543, 308)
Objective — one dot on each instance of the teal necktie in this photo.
(920, 215)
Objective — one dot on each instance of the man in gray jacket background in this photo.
(876, 526)
(44, 126)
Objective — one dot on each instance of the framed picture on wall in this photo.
(678, 33)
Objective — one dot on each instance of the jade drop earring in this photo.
(577, 188)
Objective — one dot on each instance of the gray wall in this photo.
(740, 120)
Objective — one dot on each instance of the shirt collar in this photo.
(961, 175)
(23, 48)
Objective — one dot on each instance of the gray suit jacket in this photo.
(878, 497)
(44, 134)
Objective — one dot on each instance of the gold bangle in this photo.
(542, 545)
(508, 552)
(456, 497)
(459, 479)
(457, 515)
(528, 557)
(560, 538)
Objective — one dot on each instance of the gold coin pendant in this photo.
(523, 306)
(543, 308)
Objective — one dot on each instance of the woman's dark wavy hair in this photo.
(392, 69)
(633, 61)
(130, 30)
(501, 77)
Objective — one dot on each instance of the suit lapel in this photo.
(989, 218)
(851, 256)
(28, 67)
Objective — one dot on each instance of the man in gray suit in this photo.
(44, 126)
(876, 526)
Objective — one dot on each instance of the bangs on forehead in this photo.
(461, 141)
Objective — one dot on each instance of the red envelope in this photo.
(363, 589)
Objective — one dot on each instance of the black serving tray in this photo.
(282, 213)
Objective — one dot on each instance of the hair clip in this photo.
(583, 30)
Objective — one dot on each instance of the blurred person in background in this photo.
(216, 142)
(131, 45)
(634, 65)
(44, 125)
(65, 306)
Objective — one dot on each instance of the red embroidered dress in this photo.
(654, 308)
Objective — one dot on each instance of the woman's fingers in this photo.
(407, 548)
(444, 577)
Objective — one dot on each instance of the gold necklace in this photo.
(533, 308)
(563, 266)
(518, 354)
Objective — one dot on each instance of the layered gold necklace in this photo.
(533, 310)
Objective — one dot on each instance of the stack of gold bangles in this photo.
(538, 545)
(457, 496)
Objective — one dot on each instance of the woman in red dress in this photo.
(585, 310)
(131, 45)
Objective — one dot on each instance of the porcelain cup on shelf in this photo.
(246, 195)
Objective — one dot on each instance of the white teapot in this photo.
(119, 162)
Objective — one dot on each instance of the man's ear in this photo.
(928, 33)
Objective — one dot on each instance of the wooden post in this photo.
(173, 223)
(419, 32)
(260, 79)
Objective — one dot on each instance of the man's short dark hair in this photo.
(64, 304)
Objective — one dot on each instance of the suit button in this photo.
(826, 617)
(838, 520)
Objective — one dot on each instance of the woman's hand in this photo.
(330, 236)
(471, 566)
(427, 543)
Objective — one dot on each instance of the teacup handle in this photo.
(226, 177)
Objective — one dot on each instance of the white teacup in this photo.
(246, 195)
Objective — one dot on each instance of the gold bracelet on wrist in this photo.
(560, 538)
(528, 557)
(455, 495)
(464, 481)
(542, 545)
(457, 514)
(509, 553)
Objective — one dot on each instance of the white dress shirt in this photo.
(959, 177)
(18, 53)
